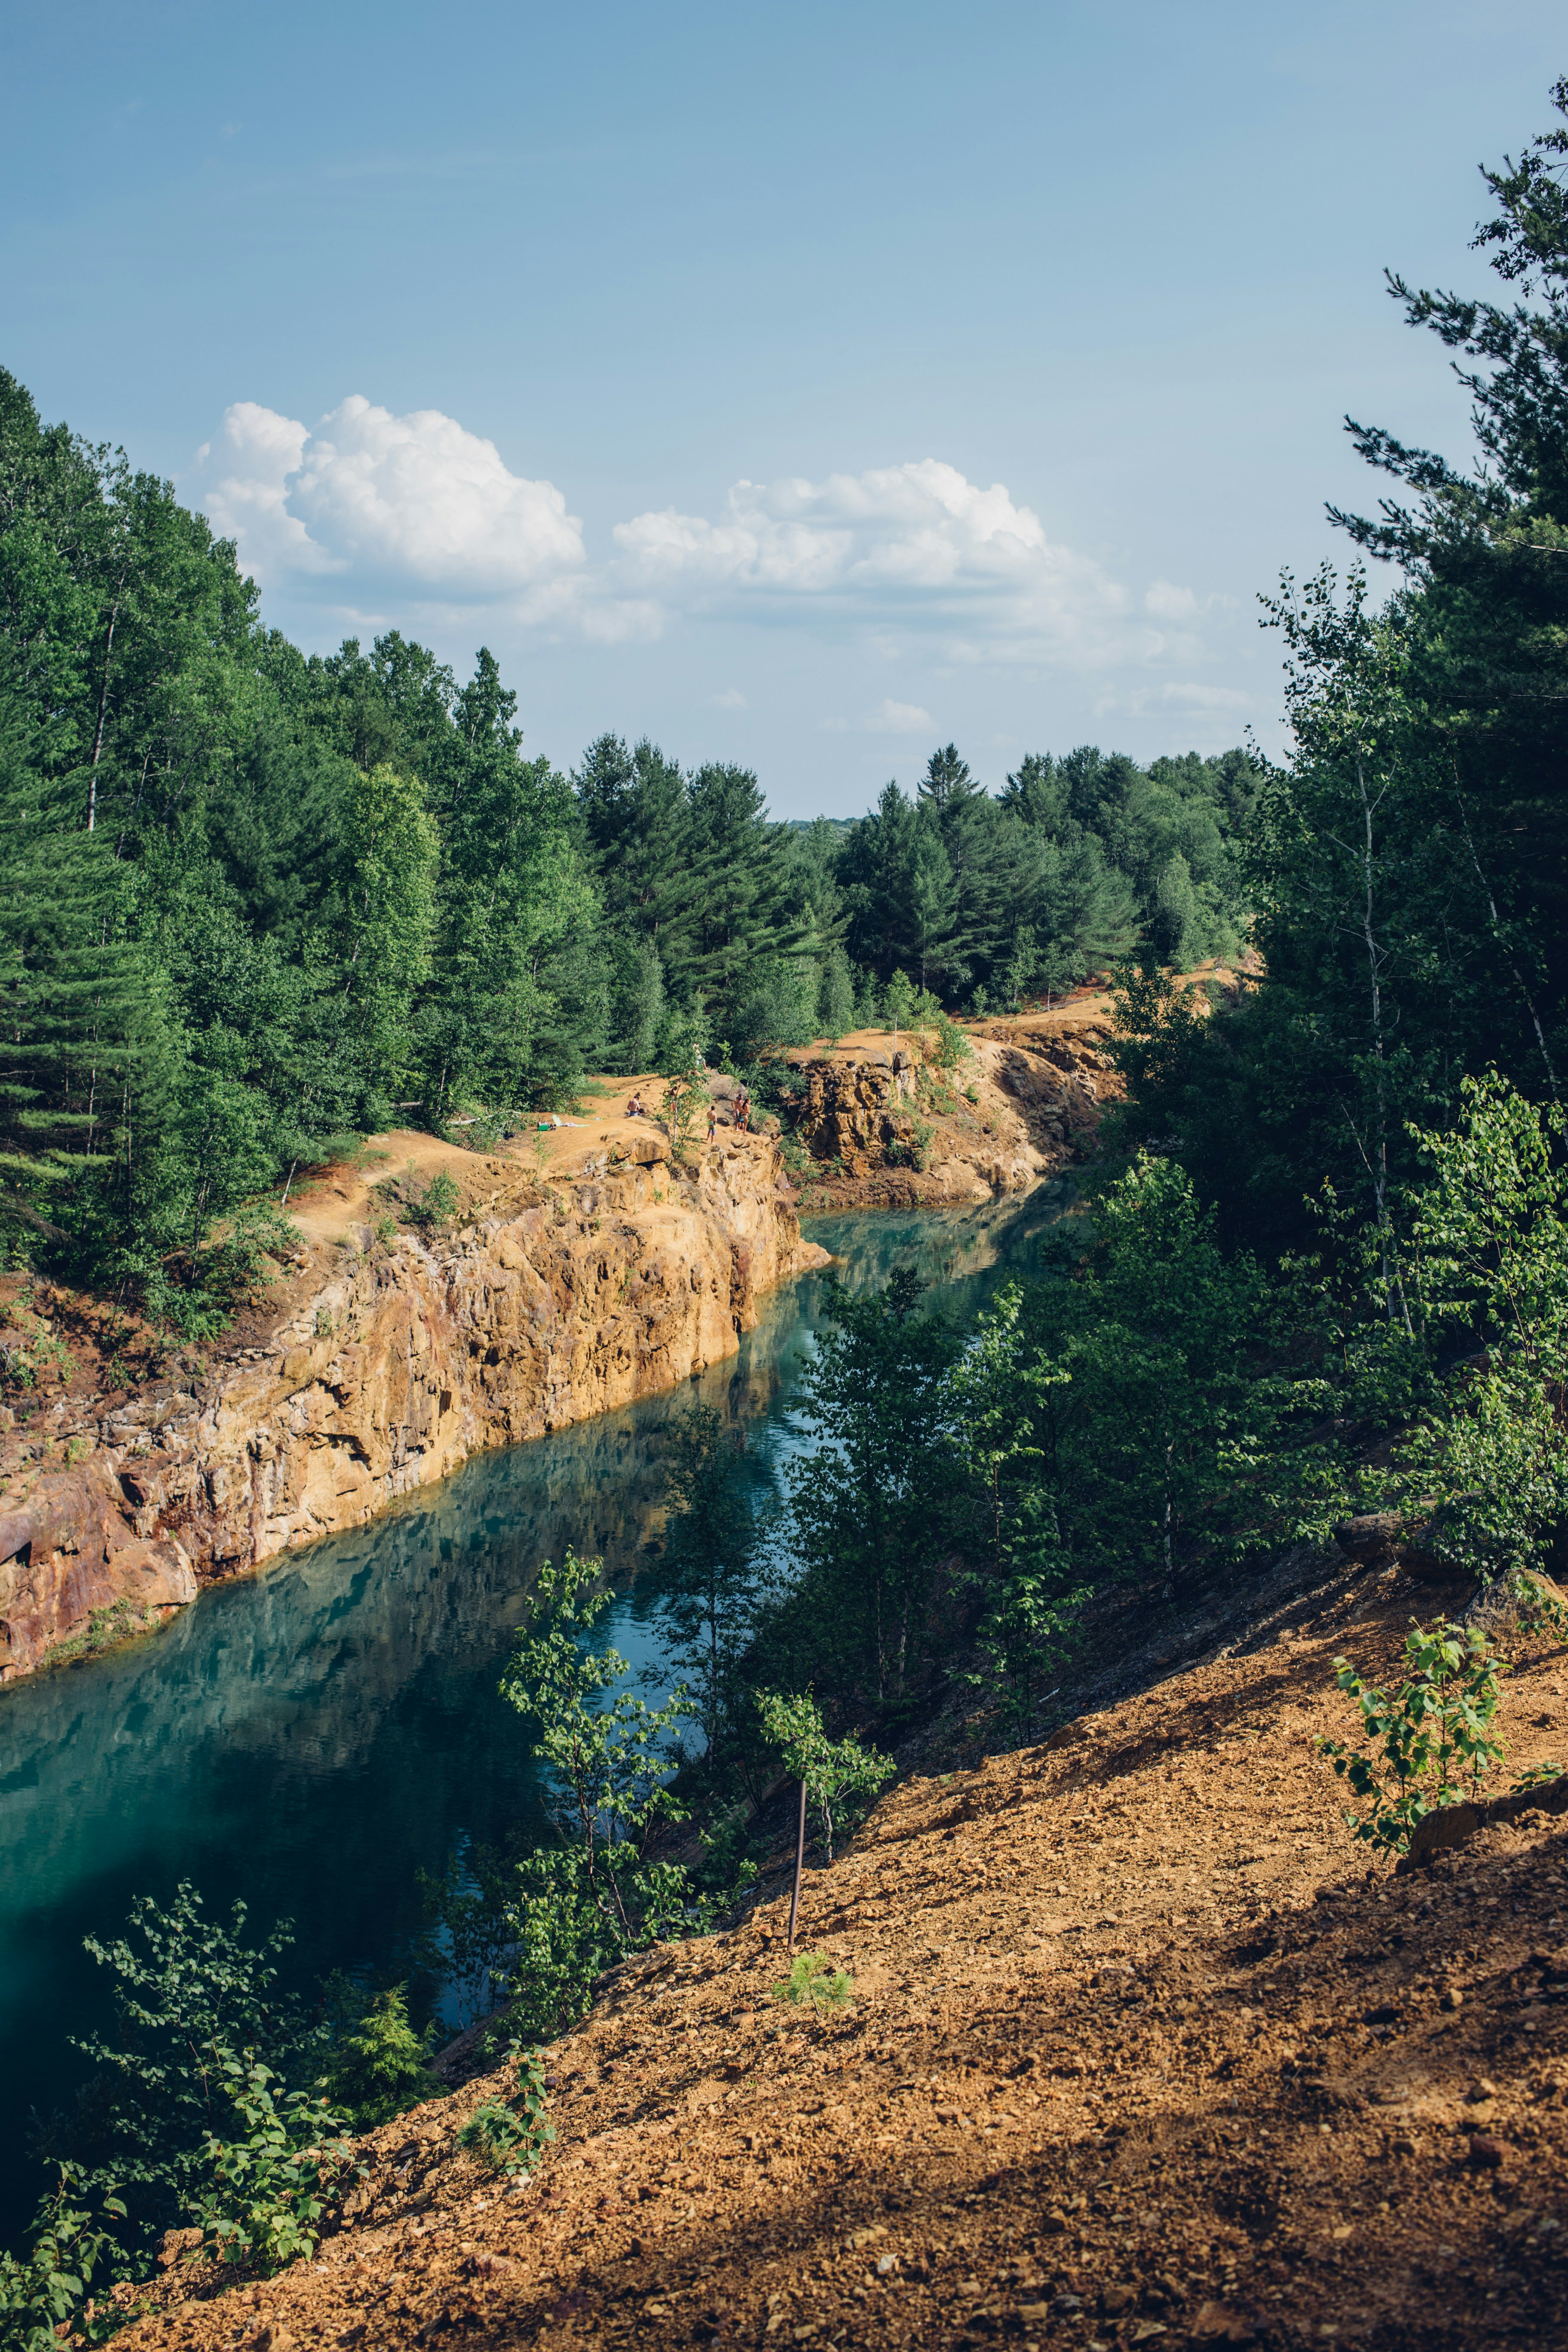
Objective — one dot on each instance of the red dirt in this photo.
(1142, 2051)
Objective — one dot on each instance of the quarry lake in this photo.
(309, 1738)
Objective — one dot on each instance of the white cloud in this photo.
(412, 503)
(731, 699)
(1212, 711)
(375, 515)
(257, 450)
(899, 547)
(1201, 697)
(1168, 602)
(900, 718)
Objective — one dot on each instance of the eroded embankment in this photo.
(1140, 2053)
(882, 1125)
(384, 1363)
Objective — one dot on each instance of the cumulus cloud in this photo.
(247, 465)
(731, 699)
(373, 514)
(413, 503)
(917, 545)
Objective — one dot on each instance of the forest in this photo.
(253, 903)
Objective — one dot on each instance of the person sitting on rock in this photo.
(635, 1108)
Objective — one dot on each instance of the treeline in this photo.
(1078, 862)
(1325, 1268)
(254, 904)
(1407, 866)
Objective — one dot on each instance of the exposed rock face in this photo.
(1019, 1107)
(851, 1111)
(553, 1305)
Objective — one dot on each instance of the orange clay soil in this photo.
(1140, 2053)
(109, 1349)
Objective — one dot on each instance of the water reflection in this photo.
(309, 1736)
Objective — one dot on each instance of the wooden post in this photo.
(799, 1859)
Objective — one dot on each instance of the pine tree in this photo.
(73, 992)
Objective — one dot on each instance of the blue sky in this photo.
(798, 386)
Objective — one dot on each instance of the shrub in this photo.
(952, 1045)
(512, 2134)
(1425, 1741)
(594, 1896)
(45, 2294)
(186, 1991)
(267, 2190)
(813, 1978)
(381, 2067)
(437, 1203)
(841, 1777)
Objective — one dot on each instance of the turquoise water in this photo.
(307, 1739)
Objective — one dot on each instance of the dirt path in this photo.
(1140, 2053)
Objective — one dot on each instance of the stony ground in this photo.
(1140, 2053)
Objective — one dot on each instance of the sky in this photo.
(804, 387)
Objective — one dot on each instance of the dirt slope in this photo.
(1141, 2053)
(873, 1130)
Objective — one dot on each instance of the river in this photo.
(309, 1738)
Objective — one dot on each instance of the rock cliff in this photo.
(880, 1123)
(552, 1298)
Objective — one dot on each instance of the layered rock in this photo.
(883, 1124)
(553, 1303)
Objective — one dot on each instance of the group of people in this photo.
(739, 1112)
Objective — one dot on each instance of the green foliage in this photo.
(1030, 1600)
(836, 1013)
(1185, 1431)
(842, 1779)
(685, 1091)
(899, 1000)
(187, 1992)
(953, 1048)
(1061, 874)
(727, 1870)
(259, 2196)
(105, 1628)
(1488, 1277)
(380, 2067)
(595, 1894)
(868, 1504)
(513, 2135)
(813, 1982)
(437, 1203)
(1424, 1745)
(47, 2295)
(710, 1576)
